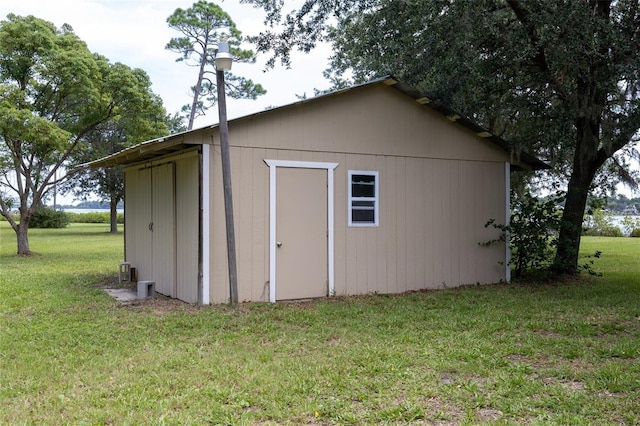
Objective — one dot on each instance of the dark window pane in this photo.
(362, 216)
(363, 186)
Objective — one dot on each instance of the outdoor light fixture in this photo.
(223, 62)
(223, 57)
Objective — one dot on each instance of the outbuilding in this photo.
(371, 189)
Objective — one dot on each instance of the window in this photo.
(363, 198)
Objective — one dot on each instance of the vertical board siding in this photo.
(164, 228)
(399, 216)
(432, 216)
(243, 203)
(167, 196)
(340, 213)
(390, 226)
(187, 217)
(439, 184)
(260, 226)
(380, 256)
(137, 219)
(414, 230)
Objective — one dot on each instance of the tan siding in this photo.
(455, 206)
(242, 167)
(415, 222)
(467, 221)
(340, 218)
(164, 228)
(379, 259)
(260, 227)
(169, 255)
(137, 219)
(401, 218)
(432, 214)
(409, 129)
(219, 282)
(388, 196)
(440, 222)
(187, 222)
(433, 202)
(430, 243)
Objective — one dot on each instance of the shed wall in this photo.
(432, 216)
(139, 241)
(439, 184)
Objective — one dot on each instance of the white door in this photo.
(301, 233)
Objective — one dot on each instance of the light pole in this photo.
(223, 62)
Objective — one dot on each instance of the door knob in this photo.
(279, 243)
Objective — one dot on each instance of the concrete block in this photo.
(146, 289)
(124, 272)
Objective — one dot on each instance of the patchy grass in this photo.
(507, 354)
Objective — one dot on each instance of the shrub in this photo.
(533, 232)
(635, 233)
(46, 217)
(93, 217)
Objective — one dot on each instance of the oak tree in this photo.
(53, 94)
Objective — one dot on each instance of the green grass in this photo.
(506, 354)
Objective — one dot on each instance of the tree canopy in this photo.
(149, 121)
(557, 78)
(203, 25)
(54, 94)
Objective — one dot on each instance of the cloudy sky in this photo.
(135, 33)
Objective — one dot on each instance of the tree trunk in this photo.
(566, 260)
(22, 234)
(113, 216)
(196, 92)
(587, 161)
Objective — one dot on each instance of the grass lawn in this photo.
(505, 354)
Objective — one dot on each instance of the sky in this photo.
(135, 32)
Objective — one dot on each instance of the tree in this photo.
(121, 131)
(203, 25)
(558, 78)
(53, 94)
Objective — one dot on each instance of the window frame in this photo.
(375, 199)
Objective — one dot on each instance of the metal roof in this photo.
(176, 142)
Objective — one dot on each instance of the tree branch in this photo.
(540, 58)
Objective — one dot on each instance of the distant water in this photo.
(617, 221)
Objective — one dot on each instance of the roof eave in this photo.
(526, 161)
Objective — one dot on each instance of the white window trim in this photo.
(206, 224)
(376, 204)
(329, 167)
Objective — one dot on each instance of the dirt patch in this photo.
(159, 304)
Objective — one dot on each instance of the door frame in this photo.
(329, 167)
